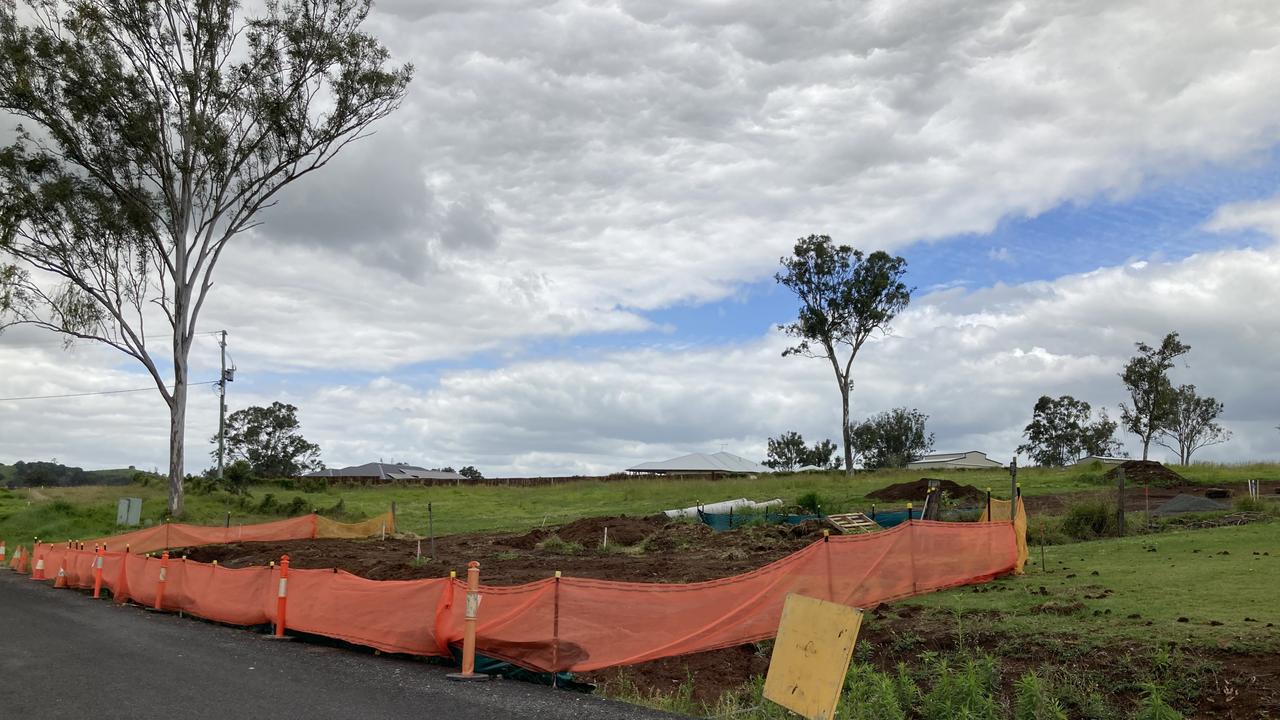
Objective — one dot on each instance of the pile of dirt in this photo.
(916, 490)
(589, 532)
(1146, 472)
(1189, 504)
(649, 549)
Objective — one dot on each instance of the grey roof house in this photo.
(385, 472)
(721, 462)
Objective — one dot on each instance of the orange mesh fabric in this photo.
(570, 623)
(1000, 510)
(326, 528)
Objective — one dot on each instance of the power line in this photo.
(101, 392)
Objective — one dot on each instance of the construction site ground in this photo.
(1026, 622)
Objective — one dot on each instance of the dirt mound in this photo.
(589, 532)
(1189, 504)
(915, 491)
(1146, 472)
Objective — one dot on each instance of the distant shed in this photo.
(973, 459)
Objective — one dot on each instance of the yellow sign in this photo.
(811, 655)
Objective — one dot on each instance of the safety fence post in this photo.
(909, 518)
(469, 627)
(282, 595)
(989, 518)
(164, 578)
(97, 571)
(555, 634)
(37, 573)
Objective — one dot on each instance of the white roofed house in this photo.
(970, 460)
(701, 463)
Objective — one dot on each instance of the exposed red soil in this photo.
(915, 491)
(673, 552)
(1146, 472)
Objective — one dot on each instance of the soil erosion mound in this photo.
(1147, 472)
(916, 490)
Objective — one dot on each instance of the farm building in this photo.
(696, 463)
(954, 461)
(1101, 459)
(385, 472)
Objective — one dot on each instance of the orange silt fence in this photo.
(566, 624)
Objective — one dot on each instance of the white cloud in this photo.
(975, 361)
(561, 165)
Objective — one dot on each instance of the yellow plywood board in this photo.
(811, 655)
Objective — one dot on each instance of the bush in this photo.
(810, 502)
(1033, 700)
(1090, 520)
(967, 691)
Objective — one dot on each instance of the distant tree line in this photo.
(53, 474)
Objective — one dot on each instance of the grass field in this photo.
(82, 512)
(1210, 588)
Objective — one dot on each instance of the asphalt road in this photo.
(65, 655)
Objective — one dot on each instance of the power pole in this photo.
(222, 401)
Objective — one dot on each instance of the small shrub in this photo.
(1089, 520)
(968, 691)
(268, 505)
(871, 695)
(1154, 707)
(297, 506)
(810, 502)
(1033, 700)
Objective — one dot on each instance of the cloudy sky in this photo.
(557, 257)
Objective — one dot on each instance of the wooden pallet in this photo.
(853, 523)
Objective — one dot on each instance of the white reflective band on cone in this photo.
(98, 563)
(284, 583)
(40, 564)
(163, 571)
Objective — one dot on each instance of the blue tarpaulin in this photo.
(728, 521)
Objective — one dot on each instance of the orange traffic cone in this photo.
(61, 580)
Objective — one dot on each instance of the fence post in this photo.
(37, 573)
(1120, 503)
(2, 549)
(469, 627)
(555, 634)
(164, 577)
(282, 595)
(1013, 489)
(909, 518)
(97, 571)
(431, 530)
(989, 518)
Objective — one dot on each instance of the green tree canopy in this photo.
(155, 132)
(270, 441)
(788, 451)
(845, 297)
(1192, 424)
(1151, 395)
(1062, 431)
(892, 439)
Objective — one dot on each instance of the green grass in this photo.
(1161, 578)
(25, 513)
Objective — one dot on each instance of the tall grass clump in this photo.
(1089, 520)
